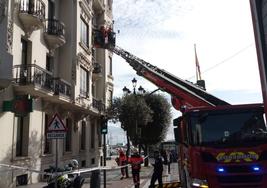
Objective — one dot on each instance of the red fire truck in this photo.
(220, 145)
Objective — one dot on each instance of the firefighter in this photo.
(122, 162)
(136, 160)
(158, 169)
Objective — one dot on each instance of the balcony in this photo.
(62, 87)
(31, 15)
(35, 80)
(98, 104)
(54, 34)
(97, 69)
(98, 5)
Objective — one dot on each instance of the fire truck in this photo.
(220, 145)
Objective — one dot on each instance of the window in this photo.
(110, 66)
(83, 163)
(24, 51)
(109, 97)
(83, 135)
(49, 63)
(48, 142)
(22, 180)
(84, 33)
(84, 79)
(51, 9)
(93, 161)
(93, 136)
(68, 138)
(93, 89)
(22, 136)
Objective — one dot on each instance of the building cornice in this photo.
(84, 61)
(86, 10)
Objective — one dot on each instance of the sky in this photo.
(163, 33)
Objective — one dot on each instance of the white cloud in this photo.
(164, 32)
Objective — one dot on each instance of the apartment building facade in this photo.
(48, 66)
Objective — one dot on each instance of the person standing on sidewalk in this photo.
(122, 162)
(169, 160)
(136, 160)
(158, 169)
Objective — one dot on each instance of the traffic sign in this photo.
(54, 135)
(56, 125)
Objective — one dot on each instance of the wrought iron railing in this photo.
(98, 104)
(33, 7)
(36, 75)
(33, 74)
(62, 87)
(54, 27)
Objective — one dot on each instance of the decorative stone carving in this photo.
(3, 10)
(10, 27)
(10, 34)
(84, 61)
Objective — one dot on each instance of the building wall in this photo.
(51, 92)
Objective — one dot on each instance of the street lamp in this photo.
(126, 90)
(141, 90)
(134, 81)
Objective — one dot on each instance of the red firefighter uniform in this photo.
(122, 162)
(136, 160)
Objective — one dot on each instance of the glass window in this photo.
(110, 97)
(22, 136)
(48, 142)
(211, 128)
(84, 33)
(68, 138)
(93, 135)
(83, 135)
(24, 51)
(110, 66)
(84, 79)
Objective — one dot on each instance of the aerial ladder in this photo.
(183, 93)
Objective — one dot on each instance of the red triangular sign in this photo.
(56, 124)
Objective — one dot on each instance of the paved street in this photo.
(113, 177)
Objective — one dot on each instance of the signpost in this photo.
(56, 130)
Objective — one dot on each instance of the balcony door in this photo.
(24, 52)
(51, 9)
(24, 59)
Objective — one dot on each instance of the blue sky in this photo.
(164, 33)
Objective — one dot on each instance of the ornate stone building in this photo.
(48, 66)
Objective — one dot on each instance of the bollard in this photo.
(95, 179)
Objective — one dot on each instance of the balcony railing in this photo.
(62, 87)
(54, 27)
(33, 74)
(33, 7)
(54, 34)
(99, 105)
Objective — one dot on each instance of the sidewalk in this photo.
(167, 178)
(113, 178)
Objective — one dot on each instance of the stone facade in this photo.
(48, 66)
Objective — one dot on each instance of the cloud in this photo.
(148, 18)
(163, 33)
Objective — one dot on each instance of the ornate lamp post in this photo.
(141, 91)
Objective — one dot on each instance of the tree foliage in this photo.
(156, 130)
(150, 113)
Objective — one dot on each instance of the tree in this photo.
(150, 113)
(156, 130)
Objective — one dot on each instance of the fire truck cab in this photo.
(223, 146)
